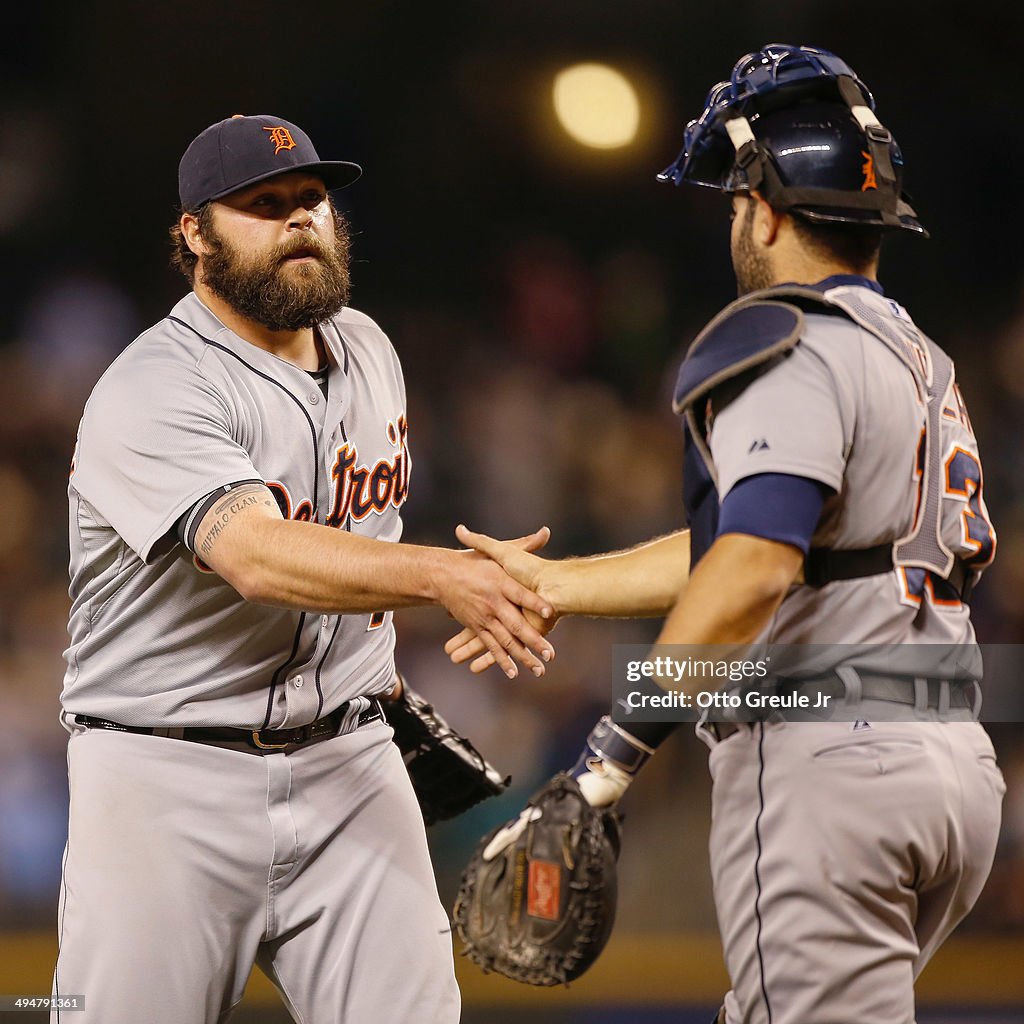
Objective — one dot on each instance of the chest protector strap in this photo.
(923, 547)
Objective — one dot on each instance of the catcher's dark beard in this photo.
(753, 269)
(260, 289)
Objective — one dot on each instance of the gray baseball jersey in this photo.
(157, 639)
(843, 409)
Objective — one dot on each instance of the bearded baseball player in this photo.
(834, 492)
(234, 518)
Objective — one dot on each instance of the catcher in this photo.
(834, 488)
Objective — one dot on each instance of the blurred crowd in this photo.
(546, 404)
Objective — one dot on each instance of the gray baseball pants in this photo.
(842, 858)
(186, 863)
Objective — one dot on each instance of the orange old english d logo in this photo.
(281, 139)
(868, 170)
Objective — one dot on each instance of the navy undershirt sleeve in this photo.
(775, 506)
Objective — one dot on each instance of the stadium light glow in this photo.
(596, 105)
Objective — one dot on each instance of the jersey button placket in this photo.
(296, 681)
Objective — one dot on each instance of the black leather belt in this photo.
(888, 689)
(251, 741)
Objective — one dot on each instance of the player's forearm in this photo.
(308, 567)
(642, 582)
(316, 568)
(733, 593)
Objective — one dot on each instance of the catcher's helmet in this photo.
(798, 125)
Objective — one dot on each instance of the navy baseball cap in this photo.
(240, 151)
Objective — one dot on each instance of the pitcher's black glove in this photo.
(537, 900)
(447, 772)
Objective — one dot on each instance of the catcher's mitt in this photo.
(537, 899)
(447, 772)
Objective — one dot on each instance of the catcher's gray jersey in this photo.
(187, 408)
(845, 409)
(902, 806)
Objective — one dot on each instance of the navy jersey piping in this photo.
(275, 679)
(320, 665)
(279, 672)
(344, 348)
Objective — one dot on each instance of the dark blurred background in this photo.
(540, 293)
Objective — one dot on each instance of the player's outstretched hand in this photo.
(501, 615)
(515, 557)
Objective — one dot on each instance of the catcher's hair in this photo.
(182, 257)
(852, 245)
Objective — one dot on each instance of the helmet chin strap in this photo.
(879, 139)
(751, 158)
(740, 132)
(760, 172)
